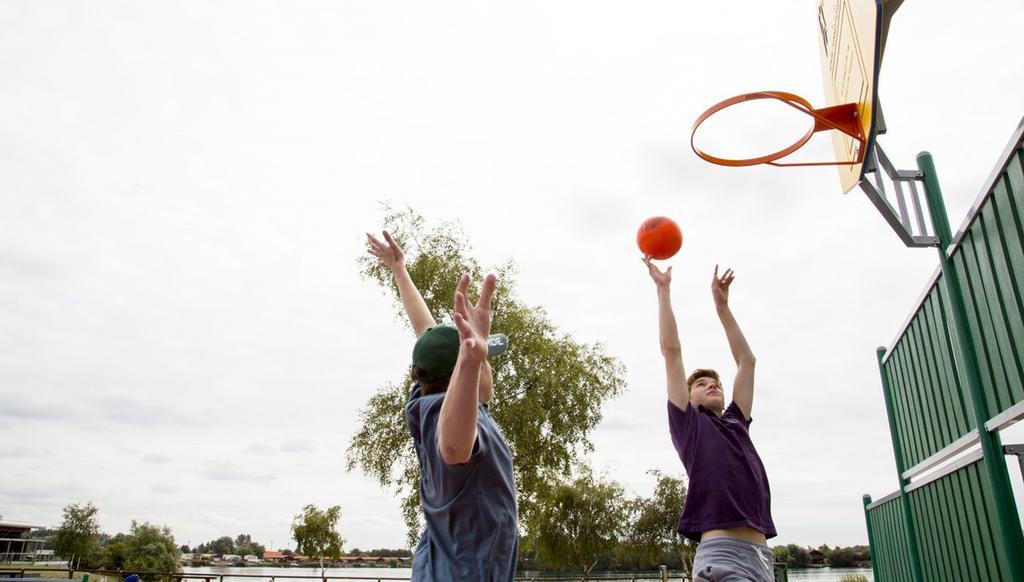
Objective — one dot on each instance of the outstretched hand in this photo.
(388, 251)
(720, 286)
(474, 321)
(661, 278)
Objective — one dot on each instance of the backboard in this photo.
(851, 36)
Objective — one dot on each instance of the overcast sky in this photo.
(184, 188)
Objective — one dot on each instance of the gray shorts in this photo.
(731, 560)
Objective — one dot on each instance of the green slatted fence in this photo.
(952, 379)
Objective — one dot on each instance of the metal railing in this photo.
(220, 577)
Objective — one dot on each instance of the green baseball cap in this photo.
(437, 349)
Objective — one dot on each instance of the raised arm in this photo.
(391, 256)
(743, 387)
(668, 335)
(456, 425)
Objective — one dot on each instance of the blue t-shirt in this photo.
(728, 484)
(471, 531)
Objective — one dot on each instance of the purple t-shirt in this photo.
(728, 486)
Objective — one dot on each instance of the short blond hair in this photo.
(701, 373)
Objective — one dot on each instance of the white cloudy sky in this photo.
(184, 337)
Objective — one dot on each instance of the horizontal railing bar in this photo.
(1006, 418)
(211, 575)
(884, 500)
(204, 575)
(956, 447)
(969, 459)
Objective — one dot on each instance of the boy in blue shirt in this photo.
(467, 487)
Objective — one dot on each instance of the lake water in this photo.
(281, 574)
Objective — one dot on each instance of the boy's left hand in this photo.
(720, 287)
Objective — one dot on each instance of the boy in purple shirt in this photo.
(728, 506)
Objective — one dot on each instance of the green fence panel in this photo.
(960, 534)
(890, 554)
(955, 519)
(989, 256)
(930, 406)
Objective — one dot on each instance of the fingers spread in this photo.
(462, 325)
(461, 305)
(461, 286)
(487, 291)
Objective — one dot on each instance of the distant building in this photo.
(14, 543)
(817, 557)
(273, 556)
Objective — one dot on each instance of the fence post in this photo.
(1008, 531)
(871, 539)
(897, 449)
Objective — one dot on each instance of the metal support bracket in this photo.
(907, 220)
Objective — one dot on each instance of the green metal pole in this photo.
(871, 540)
(897, 449)
(1008, 527)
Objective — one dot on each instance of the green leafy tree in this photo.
(251, 549)
(244, 546)
(146, 548)
(841, 557)
(781, 555)
(316, 533)
(115, 552)
(549, 388)
(222, 545)
(652, 531)
(792, 555)
(863, 553)
(576, 523)
(77, 538)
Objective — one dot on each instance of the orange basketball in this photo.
(659, 237)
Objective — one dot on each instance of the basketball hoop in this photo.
(843, 118)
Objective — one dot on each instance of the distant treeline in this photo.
(381, 553)
(796, 556)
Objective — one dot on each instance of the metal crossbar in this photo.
(910, 228)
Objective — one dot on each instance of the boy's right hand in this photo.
(661, 279)
(473, 321)
(389, 253)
